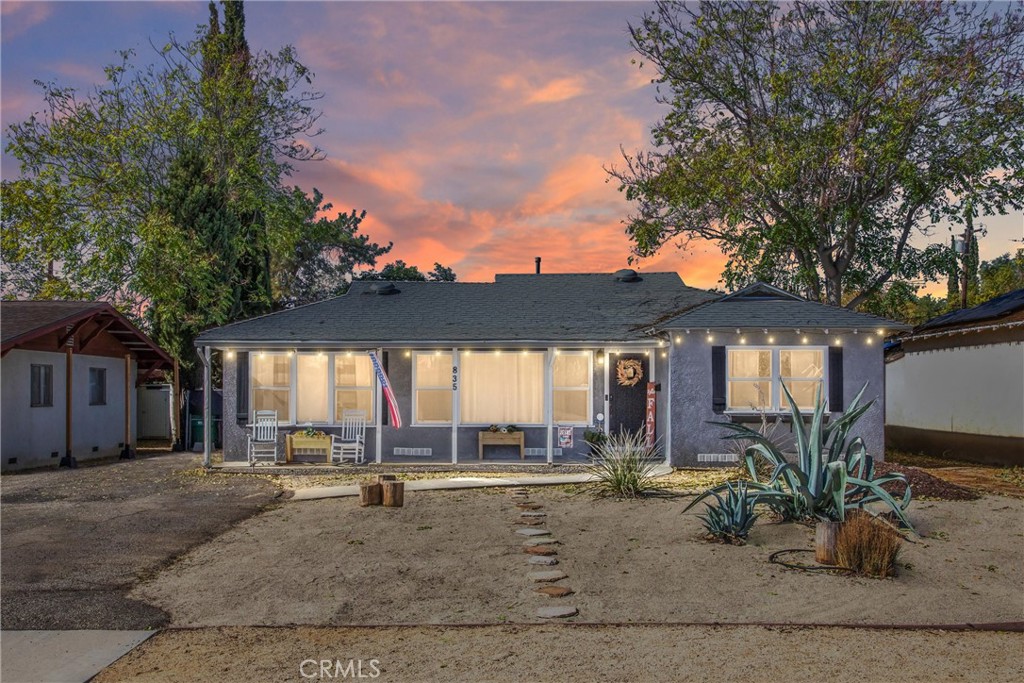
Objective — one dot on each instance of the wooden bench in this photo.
(500, 439)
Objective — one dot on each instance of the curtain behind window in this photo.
(506, 388)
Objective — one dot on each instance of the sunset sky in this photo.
(472, 134)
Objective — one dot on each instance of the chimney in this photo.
(536, 259)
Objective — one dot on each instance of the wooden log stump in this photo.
(381, 478)
(394, 494)
(370, 494)
(825, 542)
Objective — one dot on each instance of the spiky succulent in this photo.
(731, 519)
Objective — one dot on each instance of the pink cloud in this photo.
(19, 17)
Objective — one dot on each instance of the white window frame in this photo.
(416, 389)
(289, 420)
(333, 389)
(589, 388)
(775, 379)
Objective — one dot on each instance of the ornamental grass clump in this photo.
(868, 545)
(731, 519)
(624, 465)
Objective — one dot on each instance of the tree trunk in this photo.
(381, 478)
(394, 494)
(825, 542)
(370, 494)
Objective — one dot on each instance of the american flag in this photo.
(389, 394)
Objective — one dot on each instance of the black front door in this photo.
(627, 393)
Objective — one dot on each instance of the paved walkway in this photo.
(318, 492)
(62, 656)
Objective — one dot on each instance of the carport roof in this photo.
(22, 322)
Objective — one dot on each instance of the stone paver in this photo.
(530, 522)
(542, 559)
(533, 532)
(540, 550)
(555, 591)
(546, 540)
(533, 514)
(557, 612)
(548, 576)
(529, 506)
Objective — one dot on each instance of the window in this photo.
(433, 388)
(571, 388)
(272, 383)
(42, 386)
(353, 385)
(755, 377)
(97, 386)
(802, 371)
(311, 391)
(502, 388)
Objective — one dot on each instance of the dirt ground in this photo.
(573, 653)
(76, 541)
(454, 558)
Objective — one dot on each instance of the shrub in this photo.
(624, 465)
(867, 545)
(730, 521)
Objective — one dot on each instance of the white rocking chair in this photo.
(352, 440)
(263, 439)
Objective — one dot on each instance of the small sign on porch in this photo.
(651, 411)
(564, 437)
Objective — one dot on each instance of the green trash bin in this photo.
(196, 428)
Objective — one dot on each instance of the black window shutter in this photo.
(242, 387)
(835, 379)
(718, 379)
(385, 417)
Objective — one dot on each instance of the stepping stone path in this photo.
(540, 548)
(544, 540)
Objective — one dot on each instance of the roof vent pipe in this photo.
(626, 275)
(536, 260)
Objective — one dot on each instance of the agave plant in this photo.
(734, 515)
(832, 472)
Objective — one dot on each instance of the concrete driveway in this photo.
(74, 542)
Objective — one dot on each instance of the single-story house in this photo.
(70, 369)
(552, 354)
(955, 384)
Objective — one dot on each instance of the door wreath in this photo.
(629, 372)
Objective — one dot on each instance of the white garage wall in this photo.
(973, 390)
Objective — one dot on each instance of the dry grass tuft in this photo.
(868, 545)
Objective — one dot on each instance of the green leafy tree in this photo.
(812, 140)
(1001, 275)
(399, 271)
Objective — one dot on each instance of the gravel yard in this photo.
(454, 558)
(76, 541)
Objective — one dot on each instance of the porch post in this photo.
(207, 406)
(69, 371)
(126, 452)
(455, 406)
(549, 400)
(379, 422)
(668, 403)
(607, 390)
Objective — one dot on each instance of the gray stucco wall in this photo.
(691, 389)
(32, 434)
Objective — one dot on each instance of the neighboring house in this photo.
(552, 354)
(69, 374)
(955, 385)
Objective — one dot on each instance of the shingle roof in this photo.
(21, 318)
(992, 310)
(23, 322)
(548, 307)
(763, 306)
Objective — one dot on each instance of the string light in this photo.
(408, 354)
(839, 342)
(771, 340)
(290, 353)
(804, 340)
(869, 340)
(679, 339)
(230, 354)
(881, 333)
(710, 338)
(743, 340)
(664, 354)
(647, 353)
(436, 352)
